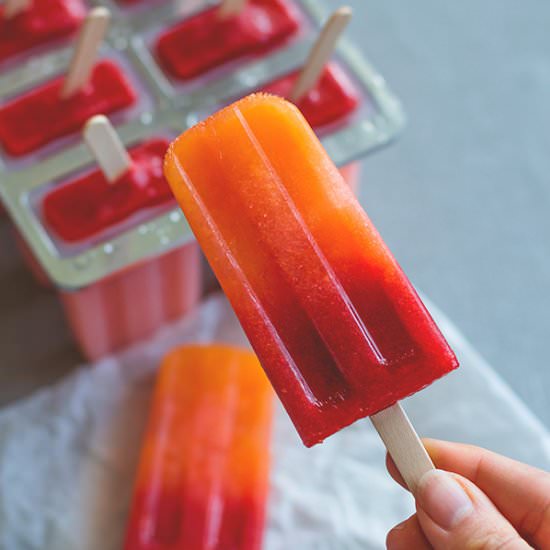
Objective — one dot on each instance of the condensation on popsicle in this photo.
(43, 22)
(336, 324)
(203, 474)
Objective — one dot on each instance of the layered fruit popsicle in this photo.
(207, 40)
(336, 324)
(42, 22)
(332, 99)
(106, 316)
(203, 474)
(40, 116)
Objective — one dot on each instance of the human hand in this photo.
(489, 502)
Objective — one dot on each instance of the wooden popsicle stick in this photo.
(320, 53)
(89, 39)
(403, 444)
(228, 8)
(14, 7)
(107, 148)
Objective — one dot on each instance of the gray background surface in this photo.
(463, 198)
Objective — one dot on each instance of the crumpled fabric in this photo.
(68, 454)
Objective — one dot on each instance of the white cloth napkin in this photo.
(68, 453)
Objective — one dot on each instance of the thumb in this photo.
(454, 514)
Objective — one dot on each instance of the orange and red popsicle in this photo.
(203, 474)
(336, 324)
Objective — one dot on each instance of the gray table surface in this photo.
(463, 198)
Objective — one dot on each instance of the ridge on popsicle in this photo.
(337, 326)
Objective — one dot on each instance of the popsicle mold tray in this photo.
(166, 107)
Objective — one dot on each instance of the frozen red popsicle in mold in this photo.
(320, 89)
(62, 106)
(331, 99)
(203, 473)
(105, 315)
(90, 204)
(210, 39)
(336, 324)
(37, 23)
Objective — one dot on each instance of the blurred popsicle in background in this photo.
(26, 24)
(63, 105)
(203, 475)
(225, 33)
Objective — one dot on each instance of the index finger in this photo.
(519, 491)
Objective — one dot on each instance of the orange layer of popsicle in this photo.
(203, 474)
(336, 324)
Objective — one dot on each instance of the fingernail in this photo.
(443, 498)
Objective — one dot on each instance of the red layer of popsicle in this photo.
(40, 116)
(332, 99)
(90, 204)
(207, 40)
(42, 22)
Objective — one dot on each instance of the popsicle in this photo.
(336, 324)
(218, 35)
(203, 473)
(321, 90)
(37, 22)
(332, 98)
(105, 315)
(62, 106)
(91, 204)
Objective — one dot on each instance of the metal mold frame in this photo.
(175, 112)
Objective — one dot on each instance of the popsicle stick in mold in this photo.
(105, 145)
(89, 39)
(403, 444)
(228, 8)
(320, 53)
(14, 7)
